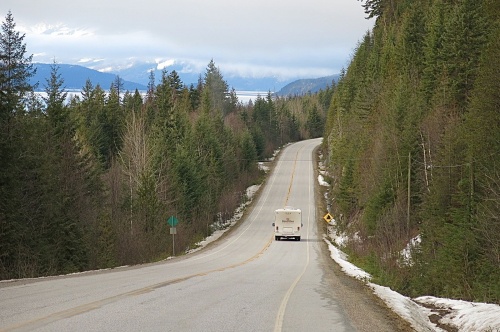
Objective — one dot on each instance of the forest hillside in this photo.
(412, 143)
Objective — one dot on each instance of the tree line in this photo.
(89, 181)
(412, 141)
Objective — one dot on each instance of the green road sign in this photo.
(172, 221)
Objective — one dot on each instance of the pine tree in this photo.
(217, 89)
(175, 82)
(482, 134)
(118, 85)
(15, 68)
(433, 44)
(151, 86)
(55, 99)
(314, 123)
(249, 151)
(132, 102)
(112, 123)
(464, 37)
(373, 8)
(15, 135)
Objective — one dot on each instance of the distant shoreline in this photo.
(244, 96)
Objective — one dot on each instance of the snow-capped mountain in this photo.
(191, 72)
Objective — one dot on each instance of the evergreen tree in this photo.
(373, 8)
(464, 37)
(433, 44)
(132, 102)
(175, 82)
(15, 68)
(87, 119)
(164, 97)
(482, 135)
(70, 195)
(151, 86)
(111, 120)
(117, 86)
(56, 97)
(15, 71)
(217, 89)
(314, 123)
(194, 97)
(249, 151)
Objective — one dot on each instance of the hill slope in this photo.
(305, 86)
(413, 139)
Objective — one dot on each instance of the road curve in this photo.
(247, 281)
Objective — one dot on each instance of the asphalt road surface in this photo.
(246, 281)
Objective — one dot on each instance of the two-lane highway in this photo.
(245, 282)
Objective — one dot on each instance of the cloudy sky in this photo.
(281, 38)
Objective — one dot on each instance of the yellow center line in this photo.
(278, 326)
(291, 180)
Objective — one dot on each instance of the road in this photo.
(246, 281)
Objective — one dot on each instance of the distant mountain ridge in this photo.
(305, 86)
(76, 76)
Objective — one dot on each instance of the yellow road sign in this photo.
(328, 217)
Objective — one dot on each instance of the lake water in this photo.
(243, 96)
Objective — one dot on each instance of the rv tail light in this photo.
(277, 227)
(298, 228)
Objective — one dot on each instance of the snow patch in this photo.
(322, 181)
(406, 253)
(263, 167)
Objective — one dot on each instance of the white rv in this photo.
(287, 223)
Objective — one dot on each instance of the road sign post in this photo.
(173, 221)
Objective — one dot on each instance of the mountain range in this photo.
(76, 76)
(137, 77)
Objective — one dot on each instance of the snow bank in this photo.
(406, 308)
(465, 316)
(349, 268)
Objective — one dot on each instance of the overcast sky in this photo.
(284, 38)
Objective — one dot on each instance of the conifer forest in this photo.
(411, 145)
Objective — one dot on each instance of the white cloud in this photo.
(58, 29)
(164, 64)
(90, 60)
(282, 72)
